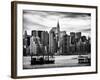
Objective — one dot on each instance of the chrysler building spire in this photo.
(58, 34)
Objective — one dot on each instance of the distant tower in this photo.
(25, 39)
(25, 44)
(58, 34)
(58, 31)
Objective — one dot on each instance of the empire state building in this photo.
(54, 39)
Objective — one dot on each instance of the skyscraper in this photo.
(33, 33)
(25, 44)
(25, 39)
(58, 34)
(78, 36)
(52, 42)
(33, 45)
(64, 44)
(72, 36)
(39, 34)
(45, 38)
(34, 42)
(68, 44)
(61, 39)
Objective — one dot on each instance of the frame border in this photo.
(14, 38)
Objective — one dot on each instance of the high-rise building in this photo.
(88, 45)
(25, 44)
(68, 44)
(25, 40)
(58, 31)
(33, 46)
(78, 36)
(72, 36)
(61, 39)
(33, 33)
(62, 33)
(78, 45)
(52, 42)
(64, 44)
(58, 34)
(34, 39)
(39, 35)
(45, 38)
(83, 38)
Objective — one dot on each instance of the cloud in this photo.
(86, 30)
(45, 20)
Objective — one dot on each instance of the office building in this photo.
(33, 33)
(78, 35)
(52, 42)
(72, 36)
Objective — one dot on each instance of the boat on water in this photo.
(42, 60)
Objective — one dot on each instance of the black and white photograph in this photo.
(56, 39)
(53, 39)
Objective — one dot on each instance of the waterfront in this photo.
(60, 61)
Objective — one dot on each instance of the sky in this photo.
(68, 21)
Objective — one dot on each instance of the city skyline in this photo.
(54, 41)
(60, 31)
(44, 20)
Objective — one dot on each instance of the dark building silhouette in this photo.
(64, 44)
(68, 44)
(33, 33)
(83, 38)
(26, 44)
(39, 33)
(72, 36)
